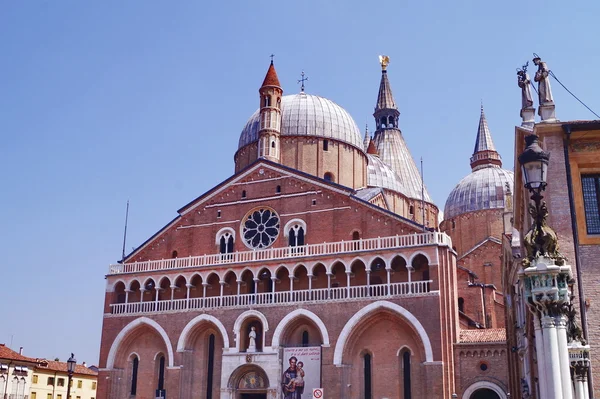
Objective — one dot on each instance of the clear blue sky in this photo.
(106, 101)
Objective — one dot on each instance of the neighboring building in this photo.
(50, 380)
(15, 373)
(321, 249)
(573, 200)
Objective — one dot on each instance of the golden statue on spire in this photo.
(384, 60)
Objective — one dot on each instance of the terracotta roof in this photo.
(62, 366)
(271, 79)
(9, 354)
(483, 335)
(371, 148)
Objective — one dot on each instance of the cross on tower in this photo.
(304, 79)
(272, 56)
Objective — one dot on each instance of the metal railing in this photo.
(327, 248)
(413, 288)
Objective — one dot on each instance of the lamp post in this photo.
(71, 369)
(545, 280)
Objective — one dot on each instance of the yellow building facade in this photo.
(50, 381)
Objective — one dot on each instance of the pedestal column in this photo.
(563, 353)
(539, 349)
(551, 357)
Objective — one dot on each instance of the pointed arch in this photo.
(294, 315)
(114, 349)
(369, 309)
(189, 328)
(484, 385)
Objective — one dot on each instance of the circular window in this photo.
(483, 366)
(260, 228)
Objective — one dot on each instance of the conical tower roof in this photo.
(484, 152)
(271, 78)
(367, 138)
(385, 98)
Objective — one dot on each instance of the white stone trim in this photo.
(196, 320)
(484, 385)
(238, 325)
(206, 224)
(415, 254)
(316, 211)
(294, 315)
(361, 314)
(222, 232)
(292, 222)
(112, 354)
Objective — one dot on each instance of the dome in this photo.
(381, 175)
(484, 188)
(308, 115)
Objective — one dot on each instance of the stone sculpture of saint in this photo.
(252, 340)
(524, 82)
(542, 76)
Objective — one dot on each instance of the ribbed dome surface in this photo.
(482, 189)
(381, 175)
(308, 115)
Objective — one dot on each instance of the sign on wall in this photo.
(301, 372)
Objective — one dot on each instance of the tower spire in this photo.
(484, 153)
(270, 115)
(388, 140)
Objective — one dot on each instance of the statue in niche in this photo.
(542, 76)
(252, 340)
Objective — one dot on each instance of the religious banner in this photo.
(301, 372)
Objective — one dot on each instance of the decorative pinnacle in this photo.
(304, 79)
(384, 60)
(272, 56)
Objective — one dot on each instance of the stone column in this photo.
(204, 285)
(388, 273)
(328, 285)
(348, 284)
(563, 352)
(188, 286)
(551, 358)
(410, 272)
(173, 287)
(539, 349)
(222, 284)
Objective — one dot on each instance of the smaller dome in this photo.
(308, 115)
(381, 175)
(482, 189)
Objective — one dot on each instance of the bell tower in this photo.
(270, 116)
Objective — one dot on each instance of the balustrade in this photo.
(334, 294)
(328, 248)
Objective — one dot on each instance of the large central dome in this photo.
(308, 115)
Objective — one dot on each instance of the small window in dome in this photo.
(328, 176)
(325, 145)
(411, 210)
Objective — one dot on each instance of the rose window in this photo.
(261, 228)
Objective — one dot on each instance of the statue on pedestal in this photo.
(542, 76)
(252, 340)
(524, 81)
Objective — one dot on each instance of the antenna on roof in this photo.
(422, 195)
(125, 232)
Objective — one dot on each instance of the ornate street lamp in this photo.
(541, 240)
(71, 369)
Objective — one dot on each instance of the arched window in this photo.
(15, 387)
(273, 144)
(367, 376)
(453, 224)
(411, 210)
(278, 189)
(328, 176)
(161, 373)
(406, 374)
(243, 193)
(355, 235)
(461, 304)
(174, 254)
(134, 375)
(267, 101)
(295, 230)
(305, 338)
(225, 240)
(325, 145)
(210, 367)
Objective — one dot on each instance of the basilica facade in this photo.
(320, 264)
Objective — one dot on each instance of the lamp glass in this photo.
(71, 364)
(534, 174)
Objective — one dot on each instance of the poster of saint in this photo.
(301, 372)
